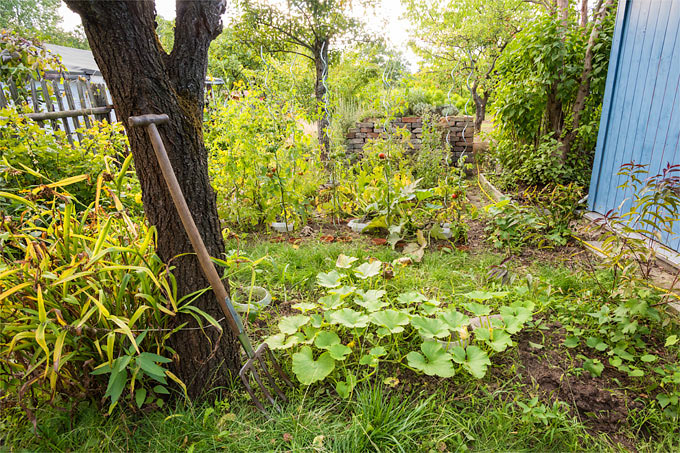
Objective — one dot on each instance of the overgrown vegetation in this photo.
(432, 322)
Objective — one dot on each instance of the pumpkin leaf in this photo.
(434, 361)
(430, 327)
(308, 370)
(349, 318)
(344, 261)
(329, 279)
(391, 320)
(368, 270)
(292, 324)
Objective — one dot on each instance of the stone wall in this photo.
(455, 126)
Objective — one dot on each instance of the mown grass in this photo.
(456, 414)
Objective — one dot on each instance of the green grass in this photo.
(373, 420)
(456, 414)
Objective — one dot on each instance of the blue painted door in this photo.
(641, 109)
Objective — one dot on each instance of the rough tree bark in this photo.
(584, 13)
(480, 105)
(142, 79)
(586, 75)
(321, 71)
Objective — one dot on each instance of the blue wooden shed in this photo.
(641, 108)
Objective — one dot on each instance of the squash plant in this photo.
(346, 334)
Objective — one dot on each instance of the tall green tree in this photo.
(40, 19)
(307, 28)
(30, 14)
(469, 36)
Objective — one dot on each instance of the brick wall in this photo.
(455, 125)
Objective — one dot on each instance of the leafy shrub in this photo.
(652, 213)
(524, 164)
(356, 326)
(538, 78)
(23, 59)
(448, 110)
(544, 223)
(31, 155)
(262, 166)
(422, 109)
(83, 296)
(430, 161)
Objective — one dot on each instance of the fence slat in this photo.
(34, 99)
(83, 103)
(48, 103)
(72, 106)
(3, 99)
(13, 91)
(60, 103)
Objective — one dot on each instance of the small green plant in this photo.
(345, 335)
(631, 238)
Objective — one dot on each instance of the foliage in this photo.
(539, 76)
(465, 38)
(647, 215)
(83, 296)
(31, 156)
(357, 325)
(22, 59)
(262, 166)
(543, 223)
(527, 164)
(381, 189)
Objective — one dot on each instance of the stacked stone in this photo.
(460, 131)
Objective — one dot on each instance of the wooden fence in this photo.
(66, 105)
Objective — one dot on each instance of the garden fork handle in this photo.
(206, 263)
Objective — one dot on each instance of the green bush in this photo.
(262, 166)
(84, 301)
(31, 156)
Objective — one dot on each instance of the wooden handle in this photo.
(186, 217)
(145, 120)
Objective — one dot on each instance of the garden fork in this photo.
(254, 356)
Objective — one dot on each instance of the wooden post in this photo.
(83, 102)
(34, 99)
(72, 106)
(48, 103)
(60, 103)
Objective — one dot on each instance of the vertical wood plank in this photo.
(83, 102)
(13, 92)
(60, 103)
(48, 103)
(98, 96)
(3, 99)
(72, 106)
(615, 66)
(634, 38)
(34, 100)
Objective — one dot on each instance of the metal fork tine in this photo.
(266, 393)
(270, 378)
(276, 365)
(249, 389)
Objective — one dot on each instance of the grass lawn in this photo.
(536, 396)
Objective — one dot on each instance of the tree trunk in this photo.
(584, 83)
(563, 12)
(142, 79)
(584, 13)
(480, 108)
(321, 69)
